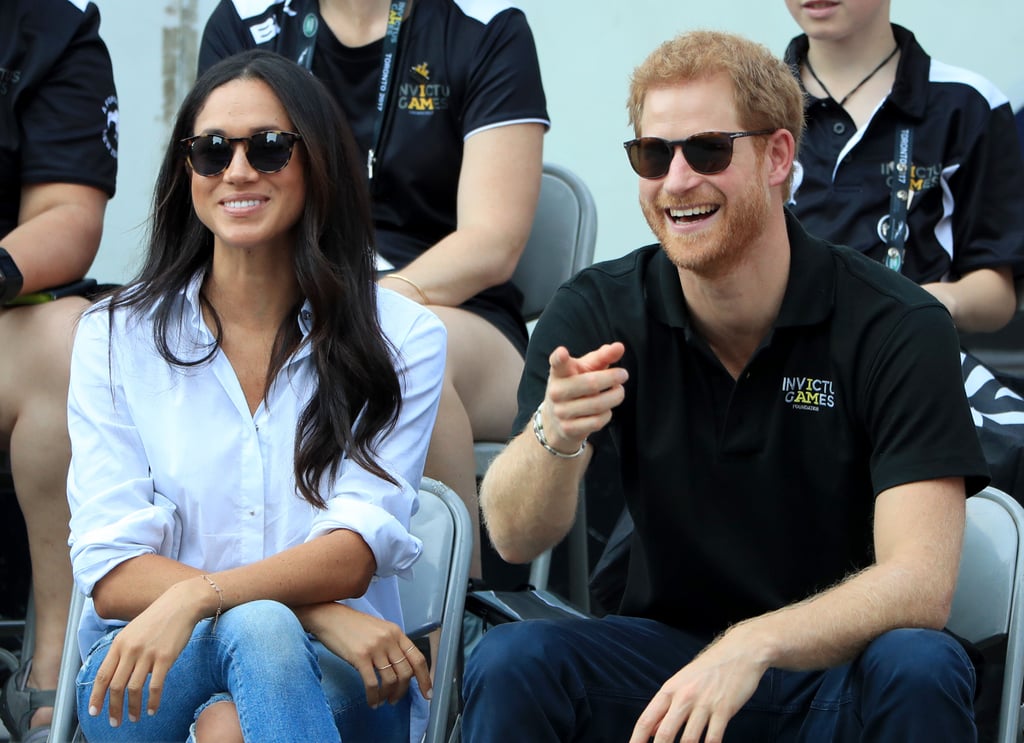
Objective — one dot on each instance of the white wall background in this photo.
(586, 57)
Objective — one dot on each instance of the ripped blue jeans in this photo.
(285, 686)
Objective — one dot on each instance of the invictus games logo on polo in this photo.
(922, 177)
(8, 79)
(421, 96)
(808, 393)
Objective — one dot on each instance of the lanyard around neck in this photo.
(395, 16)
(304, 57)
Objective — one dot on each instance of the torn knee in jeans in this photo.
(216, 720)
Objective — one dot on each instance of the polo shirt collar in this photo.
(810, 288)
(663, 293)
(909, 91)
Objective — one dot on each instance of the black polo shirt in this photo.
(58, 105)
(966, 211)
(750, 495)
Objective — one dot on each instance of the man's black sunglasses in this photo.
(267, 152)
(707, 153)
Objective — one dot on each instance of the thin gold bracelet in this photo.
(220, 606)
(413, 284)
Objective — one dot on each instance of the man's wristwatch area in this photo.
(10, 278)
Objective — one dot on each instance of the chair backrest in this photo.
(423, 598)
(990, 590)
(436, 595)
(434, 598)
(561, 241)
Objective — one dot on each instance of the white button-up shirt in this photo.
(169, 460)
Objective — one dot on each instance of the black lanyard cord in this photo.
(395, 16)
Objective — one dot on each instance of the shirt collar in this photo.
(910, 89)
(193, 307)
(810, 288)
(194, 315)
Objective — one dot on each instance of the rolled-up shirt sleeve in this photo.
(377, 510)
(116, 515)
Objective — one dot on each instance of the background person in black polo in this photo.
(797, 486)
(58, 164)
(874, 97)
(867, 80)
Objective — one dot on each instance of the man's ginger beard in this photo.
(718, 252)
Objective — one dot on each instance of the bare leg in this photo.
(34, 371)
(478, 402)
(219, 723)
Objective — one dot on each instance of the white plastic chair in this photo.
(988, 604)
(433, 599)
(561, 243)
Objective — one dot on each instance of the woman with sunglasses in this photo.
(447, 107)
(248, 422)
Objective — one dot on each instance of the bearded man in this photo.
(797, 489)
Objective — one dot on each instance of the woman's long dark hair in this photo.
(334, 267)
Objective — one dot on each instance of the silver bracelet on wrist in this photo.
(538, 431)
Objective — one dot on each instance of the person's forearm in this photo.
(983, 301)
(529, 498)
(458, 267)
(910, 585)
(499, 183)
(834, 626)
(335, 566)
(313, 616)
(130, 587)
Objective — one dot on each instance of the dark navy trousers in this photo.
(589, 680)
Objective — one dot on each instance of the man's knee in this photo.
(514, 653)
(919, 664)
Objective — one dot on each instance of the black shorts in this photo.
(499, 306)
